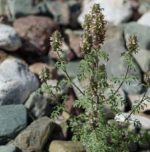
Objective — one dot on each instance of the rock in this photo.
(114, 32)
(36, 68)
(144, 7)
(145, 122)
(143, 59)
(9, 39)
(57, 92)
(3, 8)
(74, 41)
(136, 98)
(66, 146)
(39, 105)
(142, 32)
(60, 11)
(116, 67)
(65, 48)
(13, 119)
(145, 19)
(35, 32)
(19, 8)
(75, 10)
(116, 11)
(35, 136)
(72, 68)
(3, 56)
(16, 82)
(8, 148)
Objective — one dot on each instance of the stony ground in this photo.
(25, 29)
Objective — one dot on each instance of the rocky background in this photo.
(25, 29)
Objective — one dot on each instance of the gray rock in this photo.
(8, 148)
(145, 122)
(35, 136)
(142, 32)
(72, 68)
(145, 19)
(16, 82)
(18, 8)
(39, 105)
(116, 67)
(144, 7)
(143, 59)
(60, 11)
(13, 119)
(9, 39)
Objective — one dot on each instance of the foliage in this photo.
(92, 127)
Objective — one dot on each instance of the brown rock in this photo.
(74, 41)
(65, 48)
(35, 32)
(35, 136)
(4, 55)
(66, 146)
(36, 68)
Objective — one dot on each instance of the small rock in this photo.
(3, 56)
(36, 68)
(35, 136)
(16, 83)
(8, 148)
(35, 32)
(136, 98)
(39, 105)
(13, 119)
(66, 146)
(9, 39)
(65, 48)
(144, 7)
(60, 11)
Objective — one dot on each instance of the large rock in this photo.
(145, 19)
(35, 32)
(16, 82)
(13, 119)
(35, 136)
(9, 39)
(8, 148)
(144, 121)
(142, 32)
(116, 67)
(66, 146)
(143, 59)
(115, 11)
